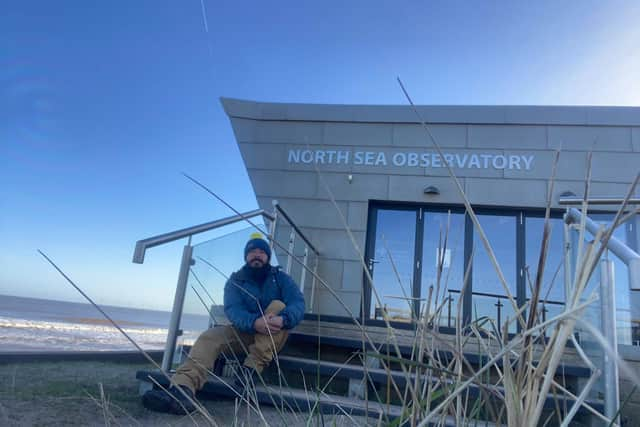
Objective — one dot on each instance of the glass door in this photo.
(551, 299)
(392, 265)
(442, 265)
(490, 299)
(420, 254)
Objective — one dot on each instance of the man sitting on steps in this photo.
(262, 303)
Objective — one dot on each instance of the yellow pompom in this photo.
(256, 235)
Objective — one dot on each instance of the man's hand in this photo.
(268, 322)
(260, 325)
(275, 323)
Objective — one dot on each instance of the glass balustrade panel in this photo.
(621, 281)
(592, 314)
(213, 262)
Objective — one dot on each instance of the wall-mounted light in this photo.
(350, 178)
(568, 197)
(568, 194)
(432, 190)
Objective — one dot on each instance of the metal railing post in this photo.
(568, 254)
(273, 225)
(178, 304)
(608, 309)
(303, 275)
(313, 284)
(499, 306)
(292, 239)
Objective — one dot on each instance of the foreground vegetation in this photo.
(101, 394)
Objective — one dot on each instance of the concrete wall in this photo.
(267, 134)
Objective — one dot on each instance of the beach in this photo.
(68, 393)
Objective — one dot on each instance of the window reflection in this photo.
(488, 292)
(393, 263)
(553, 276)
(439, 226)
(394, 247)
(552, 292)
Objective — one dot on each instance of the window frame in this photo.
(519, 213)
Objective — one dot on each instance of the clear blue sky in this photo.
(103, 104)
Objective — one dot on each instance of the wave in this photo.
(37, 335)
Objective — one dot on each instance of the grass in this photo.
(61, 392)
(79, 393)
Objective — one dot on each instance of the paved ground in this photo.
(68, 394)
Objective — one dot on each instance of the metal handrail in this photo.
(484, 294)
(161, 239)
(597, 201)
(498, 305)
(622, 251)
(181, 287)
(608, 305)
(277, 206)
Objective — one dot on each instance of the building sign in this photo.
(411, 159)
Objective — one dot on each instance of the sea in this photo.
(40, 325)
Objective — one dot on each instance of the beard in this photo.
(258, 271)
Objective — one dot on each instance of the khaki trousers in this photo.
(193, 373)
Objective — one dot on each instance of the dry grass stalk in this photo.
(198, 406)
(4, 416)
(105, 406)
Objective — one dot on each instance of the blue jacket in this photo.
(242, 296)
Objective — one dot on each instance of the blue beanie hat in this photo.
(257, 242)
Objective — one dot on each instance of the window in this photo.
(406, 243)
(392, 267)
(443, 245)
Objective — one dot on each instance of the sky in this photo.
(103, 105)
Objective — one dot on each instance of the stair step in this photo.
(300, 338)
(303, 401)
(297, 399)
(381, 376)
(343, 333)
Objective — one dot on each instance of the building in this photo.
(393, 189)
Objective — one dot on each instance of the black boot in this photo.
(172, 401)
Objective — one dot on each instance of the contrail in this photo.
(204, 17)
